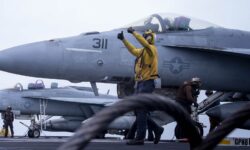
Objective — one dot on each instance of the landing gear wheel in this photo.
(36, 133)
(31, 134)
(101, 135)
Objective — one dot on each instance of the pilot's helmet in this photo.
(181, 23)
(149, 35)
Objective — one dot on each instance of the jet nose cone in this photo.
(34, 59)
(5, 62)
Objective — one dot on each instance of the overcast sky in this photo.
(26, 21)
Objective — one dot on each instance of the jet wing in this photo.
(240, 51)
(90, 101)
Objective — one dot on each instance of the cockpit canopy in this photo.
(169, 22)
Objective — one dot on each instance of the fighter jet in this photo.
(187, 47)
(75, 105)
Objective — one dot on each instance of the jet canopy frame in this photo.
(170, 22)
(18, 87)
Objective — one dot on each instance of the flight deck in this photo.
(52, 143)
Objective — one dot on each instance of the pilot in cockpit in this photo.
(168, 24)
(181, 23)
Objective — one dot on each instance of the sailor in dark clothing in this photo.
(187, 95)
(8, 119)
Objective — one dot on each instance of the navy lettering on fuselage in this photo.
(176, 65)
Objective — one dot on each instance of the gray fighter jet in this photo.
(187, 47)
(75, 104)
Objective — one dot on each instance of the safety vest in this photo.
(146, 63)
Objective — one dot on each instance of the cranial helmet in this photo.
(149, 35)
(196, 79)
(9, 107)
(196, 82)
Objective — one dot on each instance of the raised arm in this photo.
(141, 40)
(132, 49)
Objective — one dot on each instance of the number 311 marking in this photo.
(100, 43)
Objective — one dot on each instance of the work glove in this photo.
(120, 36)
(131, 30)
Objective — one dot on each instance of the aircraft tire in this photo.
(101, 135)
(31, 134)
(36, 133)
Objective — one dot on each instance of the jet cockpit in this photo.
(169, 23)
